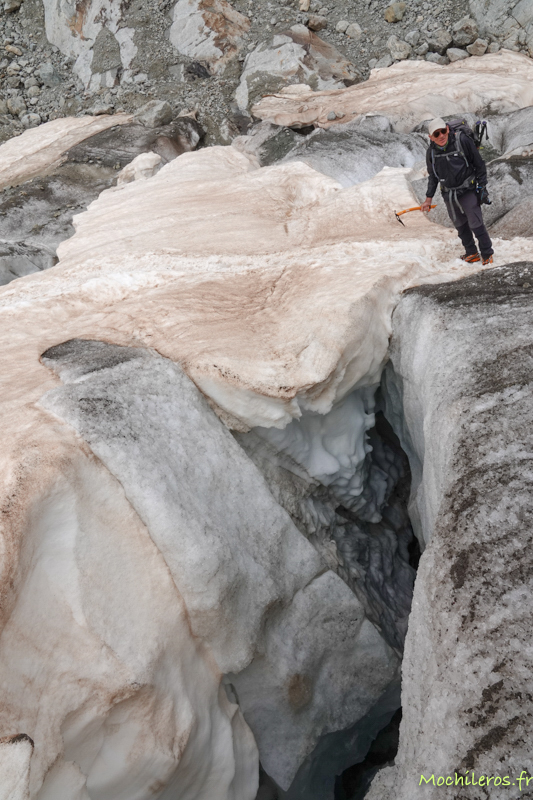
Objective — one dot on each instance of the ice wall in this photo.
(459, 387)
(288, 632)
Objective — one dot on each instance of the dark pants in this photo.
(468, 219)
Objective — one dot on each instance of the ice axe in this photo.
(406, 211)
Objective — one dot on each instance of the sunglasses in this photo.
(440, 132)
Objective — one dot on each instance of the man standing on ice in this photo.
(457, 165)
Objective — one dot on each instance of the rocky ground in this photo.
(40, 81)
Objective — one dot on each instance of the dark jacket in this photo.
(454, 170)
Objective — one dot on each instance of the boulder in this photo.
(399, 50)
(354, 31)
(456, 54)
(342, 26)
(30, 120)
(413, 37)
(439, 41)
(383, 62)
(212, 35)
(16, 105)
(478, 48)
(297, 56)
(154, 114)
(316, 22)
(436, 58)
(395, 12)
(464, 32)
(48, 75)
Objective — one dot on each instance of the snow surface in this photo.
(411, 91)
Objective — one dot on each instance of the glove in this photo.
(483, 196)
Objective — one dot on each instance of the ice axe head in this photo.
(398, 218)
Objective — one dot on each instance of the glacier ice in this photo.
(405, 92)
(288, 633)
(461, 366)
(269, 290)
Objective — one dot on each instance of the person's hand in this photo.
(426, 205)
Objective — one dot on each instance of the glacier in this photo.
(204, 528)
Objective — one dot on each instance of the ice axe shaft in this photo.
(406, 211)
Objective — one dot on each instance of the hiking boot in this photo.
(471, 259)
(487, 260)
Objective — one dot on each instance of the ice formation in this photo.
(137, 602)
(459, 390)
(40, 149)
(406, 93)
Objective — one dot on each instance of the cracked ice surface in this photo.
(273, 289)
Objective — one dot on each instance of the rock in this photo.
(439, 41)
(395, 12)
(12, 5)
(208, 34)
(455, 54)
(422, 49)
(464, 32)
(142, 167)
(3, 107)
(30, 120)
(436, 58)
(316, 22)
(354, 31)
(298, 52)
(493, 47)
(48, 75)
(412, 38)
(478, 48)
(332, 115)
(342, 25)
(304, 5)
(384, 62)
(33, 91)
(101, 109)
(9, 48)
(372, 63)
(523, 13)
(16, 105)
(106, 52)
(154, 114)
(399, 50)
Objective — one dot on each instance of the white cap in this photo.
(436, 124)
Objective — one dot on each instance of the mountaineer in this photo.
(453, 161)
